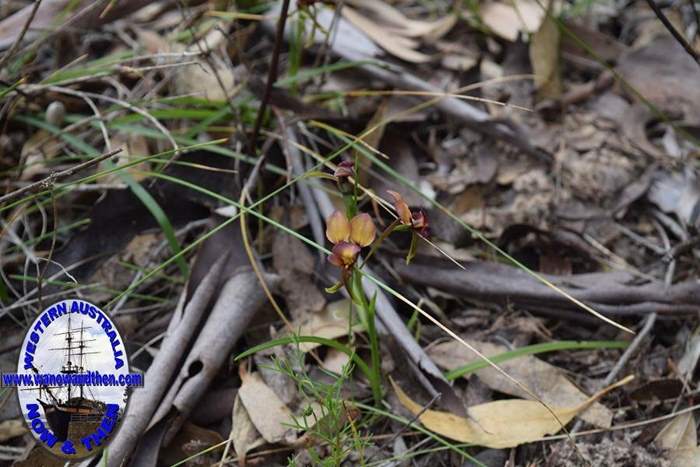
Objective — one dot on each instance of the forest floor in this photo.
(362, 232)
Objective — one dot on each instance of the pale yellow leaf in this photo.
(509, 19)
(544, 56)
(133, 147)
(383, 12)
(680, 438)
(546, 381)
(684, 457)
(37, 150)
(500, 424)
(679, 433)
(245, 436)
(11, 429)
(270, 416)
(335, 361)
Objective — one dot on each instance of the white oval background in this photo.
(51, 361)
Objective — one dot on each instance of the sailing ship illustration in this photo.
(68, 411)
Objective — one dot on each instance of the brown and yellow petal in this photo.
(338, 228)
(402, 209)
(344, 254)
(362, 230)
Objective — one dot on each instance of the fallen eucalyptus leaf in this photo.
(269, 414)
(546, 381)
(500, 424)
(679, 437)
(508, 21)
(331, 323)
(245, 436)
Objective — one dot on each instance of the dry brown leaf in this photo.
(393, 31)
(331, 323)
(546, 381)
(373, 138)
(509, 19)
(679, 437)
(245, 436)
(11, 429)
(499, 424)
(665, 75)
(544, 56)
(270, 416)
(399, 24)
(395, 44)
(192, 440)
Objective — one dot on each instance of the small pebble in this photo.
(55, 113)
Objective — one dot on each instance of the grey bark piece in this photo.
(145, 400)
(239, 300)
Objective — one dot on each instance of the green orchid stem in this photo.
(367, 315)
(350, 201)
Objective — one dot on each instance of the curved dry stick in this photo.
(676, 35)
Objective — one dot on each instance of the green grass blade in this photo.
(533, 350)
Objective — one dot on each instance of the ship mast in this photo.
(71, 368)
(68, 369)
(82, 348)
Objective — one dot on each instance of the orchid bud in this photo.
(362, 230)
(401, 207)
(337, 228)
(342, 174)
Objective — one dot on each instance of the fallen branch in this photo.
(614, 293)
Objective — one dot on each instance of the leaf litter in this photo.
(587, 175)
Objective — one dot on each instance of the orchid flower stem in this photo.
(367, 316)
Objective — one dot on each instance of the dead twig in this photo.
(676, 35)
(271, 76)
(48, 182)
